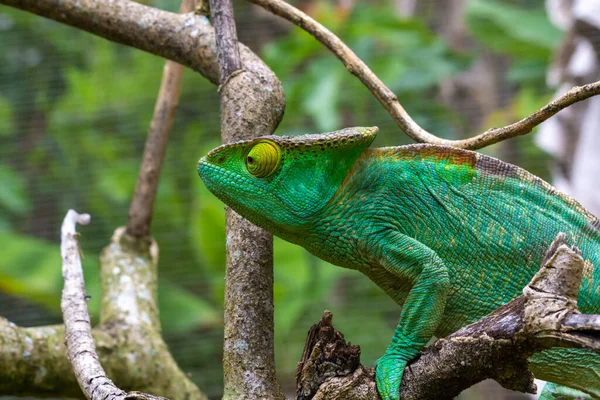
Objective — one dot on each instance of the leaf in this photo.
(322, 100)
(301, 281)
(6, 119)
(118, 182)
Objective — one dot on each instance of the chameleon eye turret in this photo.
(263, 158)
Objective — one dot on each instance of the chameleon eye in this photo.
(262, 159)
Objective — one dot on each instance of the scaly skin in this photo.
(449, 234)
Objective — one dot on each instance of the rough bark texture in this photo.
(140, 359)
(81, 350)
(142, 204)
(187, 39)
(326, 355)
(496, 347)
(226, 37)
(33, 361)
(249, 108)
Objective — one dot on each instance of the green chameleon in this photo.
(449, 234)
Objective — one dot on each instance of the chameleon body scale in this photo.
(449, 234)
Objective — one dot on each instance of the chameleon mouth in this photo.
(209, 171)
(202, 163)
(222, 182)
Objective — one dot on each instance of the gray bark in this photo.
(81, 349)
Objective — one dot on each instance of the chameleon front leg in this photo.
(409, 259)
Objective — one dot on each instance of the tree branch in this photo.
(142, 204)
(390, 102)
(497, 346)
(187, 39)
(129, 313)
(249, 108)
(226, 38)
(81, 349)
(33, 361)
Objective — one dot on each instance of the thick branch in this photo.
(142, 204)
(249, 108)
(129, 313)
(187, 39)
(498, 346)
(390, 102)
(33, 362)
(81, 349)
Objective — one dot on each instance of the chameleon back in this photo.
(489, 221)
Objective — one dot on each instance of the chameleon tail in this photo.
(576, 368)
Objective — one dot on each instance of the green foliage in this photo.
(31, 268)
(508, 28)
(12, 195)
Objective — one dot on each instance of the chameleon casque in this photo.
(449, 234)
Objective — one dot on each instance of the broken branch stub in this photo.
(326, 355)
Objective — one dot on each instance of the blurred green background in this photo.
(75, 109)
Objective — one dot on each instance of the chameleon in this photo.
(449, 234)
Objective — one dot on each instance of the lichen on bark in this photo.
(130, 315)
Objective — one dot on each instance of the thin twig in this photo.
(390, 102)
(142, 204)
(81, 349)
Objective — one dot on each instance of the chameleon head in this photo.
(281, 181)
